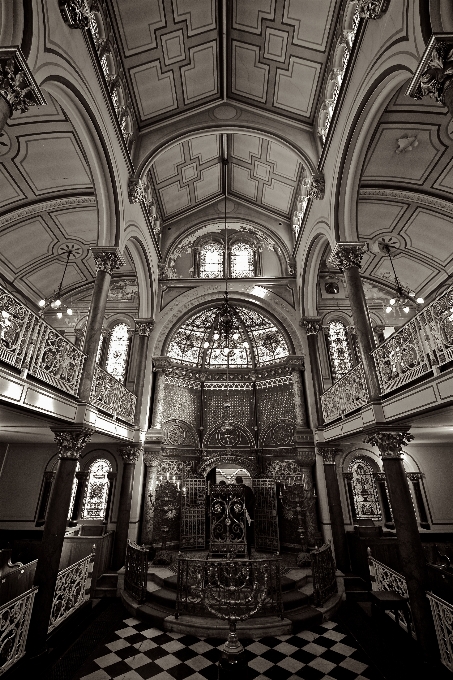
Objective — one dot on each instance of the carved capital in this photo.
(151, 458)
(414, 476)
(17, 85)
(305, 457)
(347, 255)
(390, 444)
(317, 186)
(380, 476)
(434, 75)
(328, 454)
(138, 191)
(162, 269)
(144, 326)
(372, 9)
(312, 325)
(107, 259)
(75, 13)
(130, 454)
(71, 442)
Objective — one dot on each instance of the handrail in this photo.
(349, 393)
(108, 394)
(15, 617)
(442, 612)
(71, 590)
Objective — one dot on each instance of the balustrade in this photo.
(385, 578)
(108, 394)
(71, 590)
(346, 395)
(136, 571)
(443, 622)
(14, 622)
(324, 575)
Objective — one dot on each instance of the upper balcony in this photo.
(415, 371)
(41, 370)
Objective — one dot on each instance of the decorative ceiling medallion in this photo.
(225, 112)
(75, 249)
(394, 241)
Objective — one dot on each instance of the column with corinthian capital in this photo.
(107, 259)
(312, 326)
(70, 446)
(328, 454)
(130, 455)
(18, 88)
(413, 565)
(143, 329)
(348, 258)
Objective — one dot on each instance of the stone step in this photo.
(106, 586)
(304, 618)
(294, 599)
(162, 597)
(356, 589)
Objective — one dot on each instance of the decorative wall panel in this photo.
(181, 402)
(275, 403)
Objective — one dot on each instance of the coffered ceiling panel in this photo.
(439, 245)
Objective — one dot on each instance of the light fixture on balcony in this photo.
(405, 298)
(54, 302)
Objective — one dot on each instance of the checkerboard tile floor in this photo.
(138, 652)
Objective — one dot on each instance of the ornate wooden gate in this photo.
(193, 514)
(266, 520)
(227, 517)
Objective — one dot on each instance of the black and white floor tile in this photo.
(138, 652)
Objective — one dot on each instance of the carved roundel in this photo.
(280, 434)
(177, 433)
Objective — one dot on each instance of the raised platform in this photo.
(297, 591)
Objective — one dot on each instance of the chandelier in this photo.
(405, 298)
(54, 302)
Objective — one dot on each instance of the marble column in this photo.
(348, 258)
(130, 455)
(106, 260)
(151, 461)
(18, 89)
(413, 565)
(70, 445)
(335, 508)
(143, 329)
(312, 327)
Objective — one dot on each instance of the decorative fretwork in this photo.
(17, 85)
(75, 13)
(118, 351)
(17, 324)
(364, 490)
(14, 621)
(434, 77)
(55, 360)
(265, 515)
(227, 513)
(324, 574)
(71, 590)
(443, 622)
(339, 349)
(280, 433)
(111, 396)
(240, 458)
(136, 571)
(346, 395)
(97, 490)
(385, 578)
(179, 433)
(193, 514)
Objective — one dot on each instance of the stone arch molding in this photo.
(190, 300)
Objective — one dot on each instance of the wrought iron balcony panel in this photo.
(109, 395)
(436, 323)
(16, 328)
(15, 618)
(55, 360)
(346, 395)
(71, 590)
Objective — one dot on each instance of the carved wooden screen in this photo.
(193, 514)
(227, 519)
(266, 520)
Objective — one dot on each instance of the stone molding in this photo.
(17, 85)
(130, 454)
(346, 255)
(414, 476)
(372, 9)
(46, 206)
(311, 324)
(389, 443)
(72, 442)
(328, 454)
(107, 259)
(144, 326)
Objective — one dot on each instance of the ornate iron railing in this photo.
(346, 395)
(136, 574)
(109, 395)
(443, 622)
(71, 590)
(324, 574)
(423, 342)
(14, 622)
(385, 578)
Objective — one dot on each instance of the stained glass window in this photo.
(242, 260)
(73, 492)
(339, 349)
(364, 490)
(118, 352)
(211, 260)
(97, 490)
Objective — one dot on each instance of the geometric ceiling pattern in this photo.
(260, 171)
(175, 59)
(406, 194)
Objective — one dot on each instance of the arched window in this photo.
(364, 490)
(118, 352)
(339, 349)
(97, 490)
(242, 260)
(211, 260)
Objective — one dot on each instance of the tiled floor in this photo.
(138, 652)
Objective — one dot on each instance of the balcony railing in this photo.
(346, 395)
(71, 590)
(109, 395)
(15, 619)
(423, 342)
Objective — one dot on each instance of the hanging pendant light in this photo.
(54, 302)
(405, 298)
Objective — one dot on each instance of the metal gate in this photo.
(193, 514)
(266, 520)
(227, 518)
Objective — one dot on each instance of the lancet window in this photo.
(97, 490)
(364, 490)
(341, 360)
(242, 260)
(118, 351)
(211, 260)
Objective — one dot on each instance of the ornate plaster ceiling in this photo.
(405, 194)
(183, 54)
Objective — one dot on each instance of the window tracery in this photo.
(339, 349)
(97, 490)
(364, 490)
(211, 260)
(242, 260)
(118, 352)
